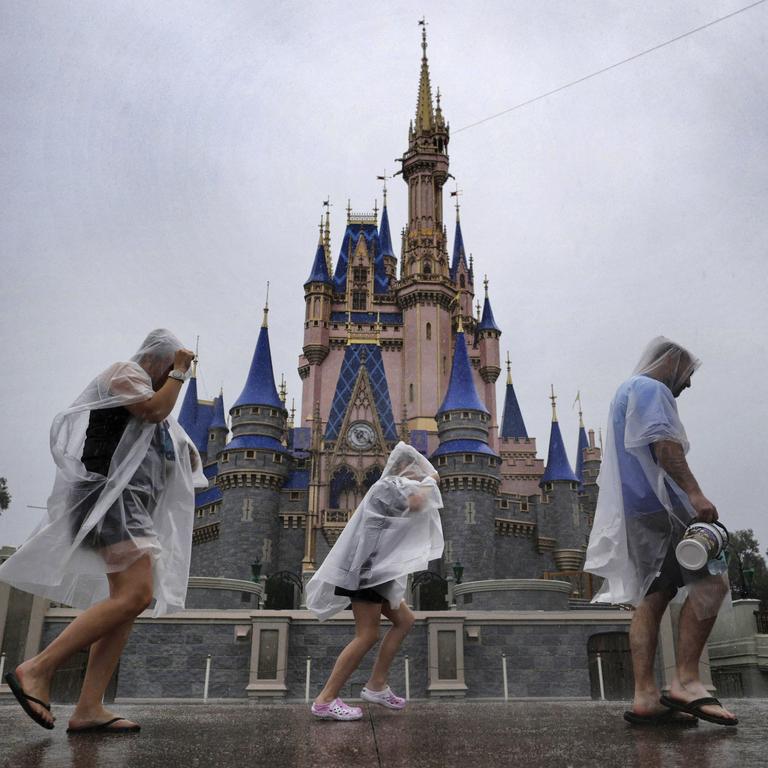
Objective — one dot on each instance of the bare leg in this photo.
(102, 660)
(643, 640)
(367, 621)
(692, 636)
(402, 620)
(132, 596)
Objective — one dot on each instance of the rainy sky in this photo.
(160, 162)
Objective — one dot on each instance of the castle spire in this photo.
(425, 116)
(512, 424)
(582, 444)
(260, 386)
(461, 394)
(558, 466)
(487, 321)
(219, 420)
(459, 254)
(264, 323)
(319, 273)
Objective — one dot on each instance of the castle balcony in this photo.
(333, 522)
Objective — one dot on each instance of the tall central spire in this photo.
(425, 116)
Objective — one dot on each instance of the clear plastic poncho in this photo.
(394, 531)
(140, 501)
(640, 510)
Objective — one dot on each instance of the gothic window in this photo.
(429, 331)
(359, 300)
(343, 486)
(410, 393)
(372, 474)
(359, 275)
(316, 312)
(462, 282)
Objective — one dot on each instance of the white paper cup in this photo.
(692, 554)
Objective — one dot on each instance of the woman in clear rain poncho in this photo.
(118, 529)
(394, 531)
(648, 496)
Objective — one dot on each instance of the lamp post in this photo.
(256, 570)
(458, 570)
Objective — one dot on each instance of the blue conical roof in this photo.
(583, 443)
(461, 395)
(188, 412)
(384, 236)
(458, 251)
(512, 424)
(219, 420)
(319, 272)
(487, 321)
(260, 386)
(558, 467)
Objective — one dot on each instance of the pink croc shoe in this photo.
(337, 710)
(385, 698)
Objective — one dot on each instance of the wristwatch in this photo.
(178, 375)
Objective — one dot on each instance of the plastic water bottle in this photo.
(718, 565)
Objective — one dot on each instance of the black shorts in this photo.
(367, 595)
(672, 576)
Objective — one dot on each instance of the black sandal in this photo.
(667, 717)
(24, 698)
(694, 708)
(105, 727)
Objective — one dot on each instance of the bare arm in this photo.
(159, 406)
(671, 458)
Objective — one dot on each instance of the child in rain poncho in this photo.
(119, 523)
(394, 531)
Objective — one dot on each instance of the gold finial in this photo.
(485, 283)
(194, 359)
(477, 309)
(376, 208)
(292, 414)
(509, 369)
(423, 25)
(322, 231)
(553, 398)
(283, 390)
(264, 323)
(460, 326)
(471, 264)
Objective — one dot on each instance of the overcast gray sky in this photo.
(161, 161)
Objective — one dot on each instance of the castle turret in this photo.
(581, 446)
(318, 296)
(252, 469)
(425, 293)
(559, 516)
(385, 240)
(469, 473)
(487, 336)
(218, 429)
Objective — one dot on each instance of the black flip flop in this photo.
(105, 727)
(24, 698)
(694, 708)
(667, 717)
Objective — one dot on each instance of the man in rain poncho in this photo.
(648, 495)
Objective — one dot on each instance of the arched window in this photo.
(372, 474)
(343, 487)
(410, 393)
(429, 331)
(462, 282)
(427, 267)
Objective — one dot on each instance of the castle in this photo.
(391, 351)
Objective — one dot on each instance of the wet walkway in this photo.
(428, 735)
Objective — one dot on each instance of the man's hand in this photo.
(705, 509)
(183, 359)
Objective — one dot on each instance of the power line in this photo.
(609, 67)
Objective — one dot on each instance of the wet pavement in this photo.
(427, 735)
